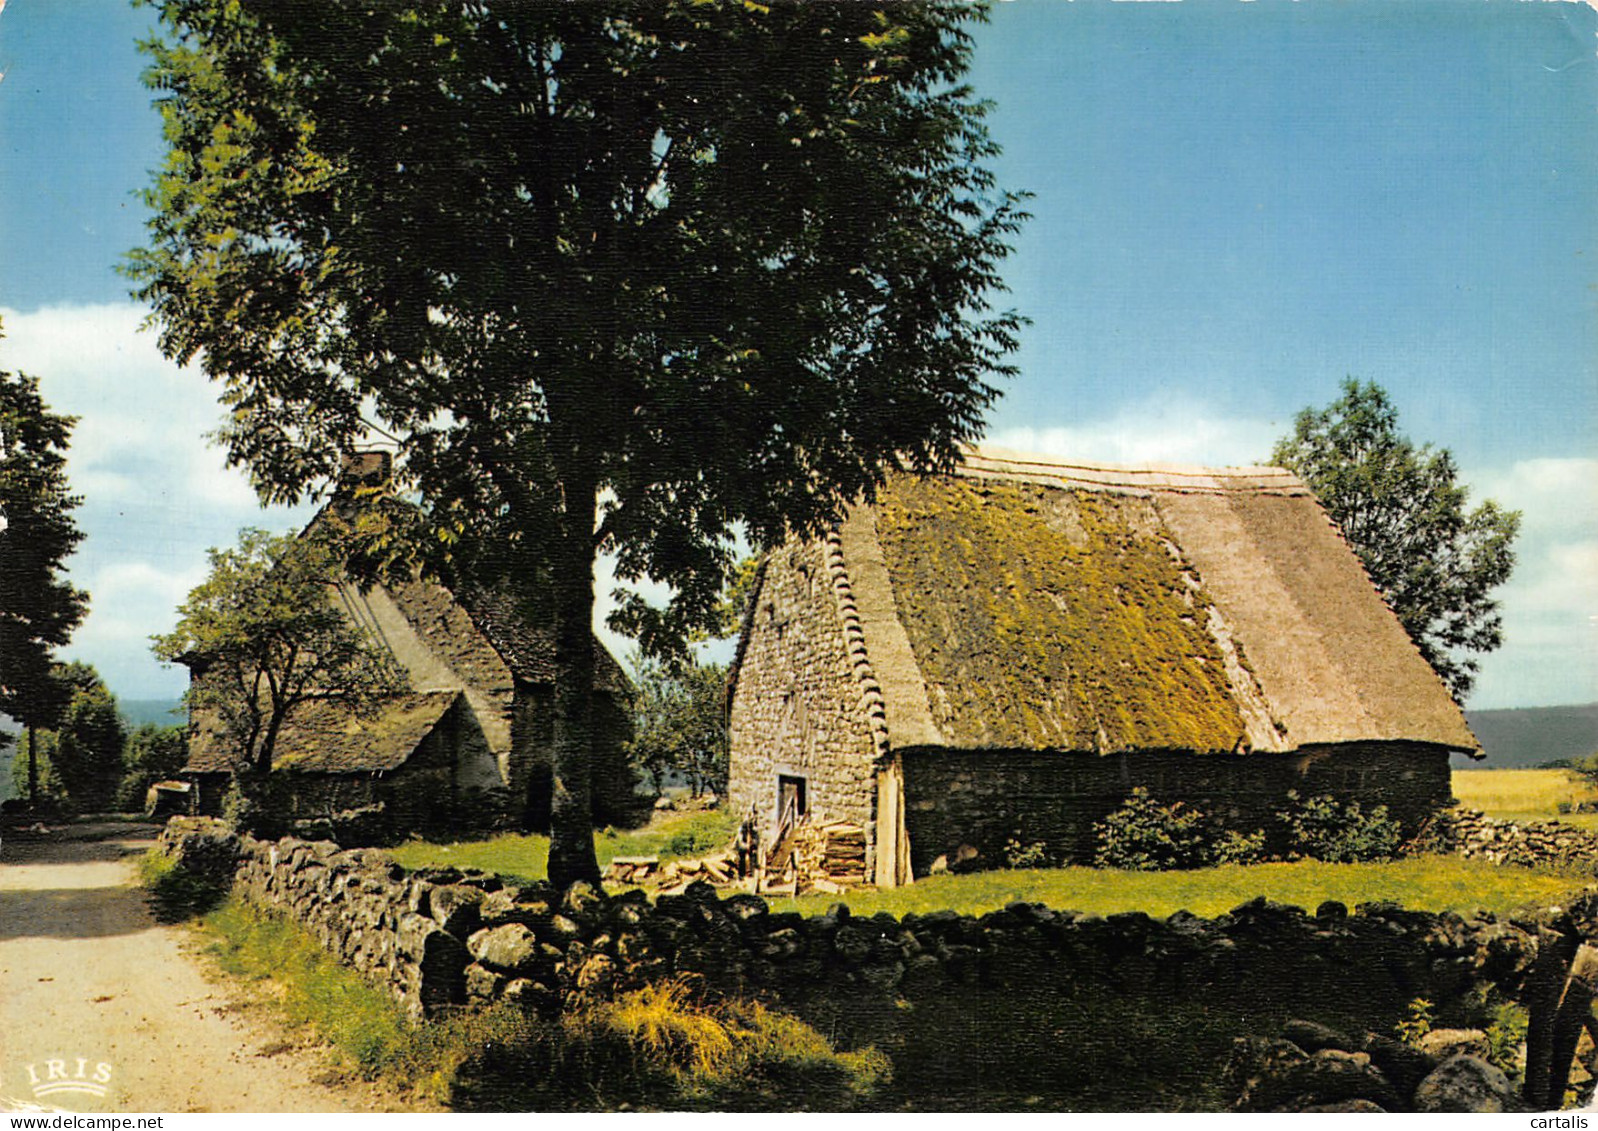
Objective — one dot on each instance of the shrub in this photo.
(1323, 829)
(176, 892)
(1236, 847)
(1020, 854)
(1145, 836)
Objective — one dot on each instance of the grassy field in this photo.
(1432, 883)
(671, 835)
(1526, 795)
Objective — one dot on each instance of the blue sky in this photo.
(1237, 205)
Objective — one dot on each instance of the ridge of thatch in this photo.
(1082, 606)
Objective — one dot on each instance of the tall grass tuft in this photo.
(656, 1047)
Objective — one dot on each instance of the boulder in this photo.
(1312, 1036)
(1465, 1083)
(457, 908)
(510, 947)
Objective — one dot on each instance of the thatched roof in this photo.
(1027, 603)
(330, 737)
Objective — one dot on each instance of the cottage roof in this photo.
(328, 736)
(1030, 603)
(528, 650)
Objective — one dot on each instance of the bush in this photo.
(175, 892)
(1021, 854)
(1323, 829)
(1145, 836)
(1236, 847)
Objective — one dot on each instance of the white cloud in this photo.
(156, 493)
(1174, 430)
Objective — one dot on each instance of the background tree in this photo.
(39, 608)
(153, 753)
(679, 725)
(264, 635)
(87, 752)
(613, 277)
(1403, 510)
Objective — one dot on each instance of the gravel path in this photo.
(103, 1010)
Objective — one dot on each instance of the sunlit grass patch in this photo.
(1433, 883)
(1526, 795)
(672, 834)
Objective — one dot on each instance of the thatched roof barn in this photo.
(1006, 652)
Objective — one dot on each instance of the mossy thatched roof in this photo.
(331, 737)
(1026, 603)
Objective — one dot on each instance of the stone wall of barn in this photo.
(533, 756)
(986, 798)
(798, 711)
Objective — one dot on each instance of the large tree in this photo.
(613, 277)
(39, 608)
(1403, 510)
(265, 634)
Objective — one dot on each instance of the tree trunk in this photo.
(571, 824)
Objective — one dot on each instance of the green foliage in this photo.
(1402, 510)
(47, 783)
(177, 893)
(39, 609)
(1025, 854)
(679, 724)
(1506, 1035)
(629, 317)
(1324, 829)
(264, 634)
(1145, 836)
(1237, 847)
(153, 753)
(87, 753)
(736, 594)
(1417, 1022)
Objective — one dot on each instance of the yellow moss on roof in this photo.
(1046, 618)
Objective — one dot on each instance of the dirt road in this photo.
(102, 1009)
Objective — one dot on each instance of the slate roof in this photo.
(1029, 603)
(527, 650)
(331, 737)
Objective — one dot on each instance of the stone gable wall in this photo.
(798, 706)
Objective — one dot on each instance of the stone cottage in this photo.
(1006, 652)
(470, 744)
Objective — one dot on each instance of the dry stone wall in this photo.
(1472, 834)
(444, 938)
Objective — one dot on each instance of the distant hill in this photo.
(1529, 736)
(161, 712)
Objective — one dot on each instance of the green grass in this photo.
(655, 1047)
(525, 857)
(361, 1022)
(1432, 883)
(1526, 795)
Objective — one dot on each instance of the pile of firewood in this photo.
(633, 869)
(829, 857)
